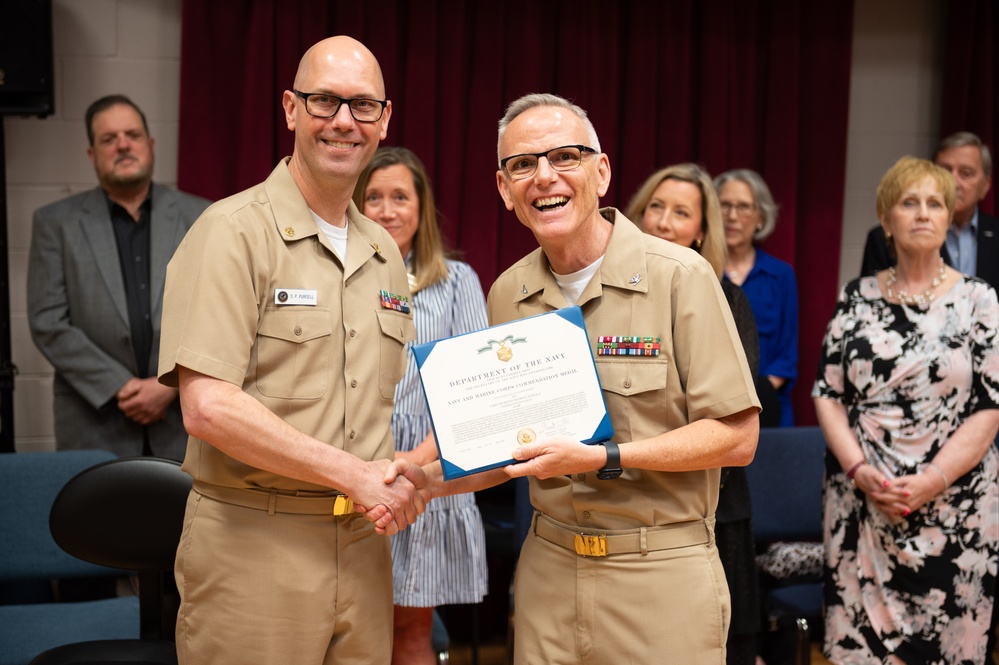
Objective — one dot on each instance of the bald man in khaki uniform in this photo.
(280, 330)
(644, 583)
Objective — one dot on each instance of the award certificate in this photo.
(512, 384)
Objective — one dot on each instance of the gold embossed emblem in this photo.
(526, 435)
(503, 347)
(289, 231)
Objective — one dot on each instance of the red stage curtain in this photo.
(761, 84)
(971, 70)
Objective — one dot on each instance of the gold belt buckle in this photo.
(590, 545)
(343, 505)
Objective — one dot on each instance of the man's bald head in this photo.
(333, 146)
(335, 53)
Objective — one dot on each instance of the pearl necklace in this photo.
(920, 299)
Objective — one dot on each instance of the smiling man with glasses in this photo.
(287, 354)
(622, 544)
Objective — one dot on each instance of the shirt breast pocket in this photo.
(397, 329)
(293, 353)
(635, 392)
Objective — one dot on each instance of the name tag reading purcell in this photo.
(512, 384)
(296, 297)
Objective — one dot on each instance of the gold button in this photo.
(352, 434)
(627, 383)
(586, 514)
(353, 383)
(298, 331)
(580, 476)
(353, 333)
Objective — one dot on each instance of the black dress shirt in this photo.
(132, 238)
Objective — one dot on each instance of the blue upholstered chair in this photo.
(29, 483)
(785, 485)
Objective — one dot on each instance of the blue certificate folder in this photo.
(511, 384)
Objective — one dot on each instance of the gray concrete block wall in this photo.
(100, 47)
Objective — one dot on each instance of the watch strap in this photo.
(612, 469)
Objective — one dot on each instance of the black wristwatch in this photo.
(612, 469)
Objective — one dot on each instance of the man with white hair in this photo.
(620, 563)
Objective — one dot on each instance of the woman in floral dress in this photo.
(907, 395)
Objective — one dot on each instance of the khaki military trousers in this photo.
(280, 588)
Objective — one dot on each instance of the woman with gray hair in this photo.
(750, 215)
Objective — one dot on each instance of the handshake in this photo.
(394, 494)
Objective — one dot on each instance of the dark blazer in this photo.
(78, 317)
(876, 250)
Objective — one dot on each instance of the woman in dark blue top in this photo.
(750, 215)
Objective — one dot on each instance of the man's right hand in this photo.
(222, 414)
(394, 496)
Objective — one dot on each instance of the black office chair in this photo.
(127, 514)
(785, 485)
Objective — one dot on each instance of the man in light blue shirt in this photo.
(968, 159)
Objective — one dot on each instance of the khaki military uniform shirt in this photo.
(646, 287)
(327, 364)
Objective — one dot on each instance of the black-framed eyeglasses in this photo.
(564, 158)
(325, 105)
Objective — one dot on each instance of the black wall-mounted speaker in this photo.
(26, 73)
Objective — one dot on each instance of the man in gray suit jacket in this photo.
(95, 291)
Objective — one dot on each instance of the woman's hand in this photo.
(898, 497)
(887, 497)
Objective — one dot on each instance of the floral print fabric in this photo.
(920, 587)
